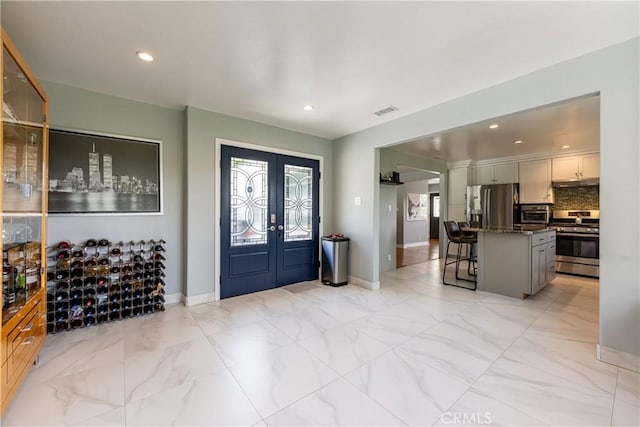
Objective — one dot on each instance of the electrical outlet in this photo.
(388, 257)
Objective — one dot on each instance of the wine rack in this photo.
(100, 281)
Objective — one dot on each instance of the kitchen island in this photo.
(515, 262)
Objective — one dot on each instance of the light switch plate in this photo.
(357, 200)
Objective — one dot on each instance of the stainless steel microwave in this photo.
(535, 214)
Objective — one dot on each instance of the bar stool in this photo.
(456, 236)
(471, 248)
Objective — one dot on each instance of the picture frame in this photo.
(416, 206)
(93, 173)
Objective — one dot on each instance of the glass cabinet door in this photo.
(23, 187)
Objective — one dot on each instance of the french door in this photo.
(269, 220)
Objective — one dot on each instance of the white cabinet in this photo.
(590, 166)
(458, 180)
(506, 173)
(535, 182)
(576, 167)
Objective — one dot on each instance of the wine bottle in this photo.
(102, 318)
(89, 292)
(77, 253)
(62, 315)
(62, 296)
(89, 311)
(77, 272)
(137, 311)
(102, 289)
(76, 293)
(62, 325)
(114, 298)
(89, 320)
(126, 312)
(103, 309)
(62, 306)
(61, 286)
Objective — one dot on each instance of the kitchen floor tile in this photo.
(336, 404)
(344, 348)
(281, 377)
(411, 390)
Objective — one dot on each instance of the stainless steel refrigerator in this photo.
(493, 205)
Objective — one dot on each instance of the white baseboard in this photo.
(173, 298)
(372, 286)
(412, 245)
(199, 299)
(618, 358)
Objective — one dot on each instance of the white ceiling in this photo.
(574, 123)
(264, 60)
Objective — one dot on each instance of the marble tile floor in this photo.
(412, 353)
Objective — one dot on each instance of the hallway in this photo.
(418, 254)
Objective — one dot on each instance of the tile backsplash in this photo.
(586, 198)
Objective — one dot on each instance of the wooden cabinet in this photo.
(24, 201)
(575, 168)
(535, 182)
(506, 173)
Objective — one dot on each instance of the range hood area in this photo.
(577, 183)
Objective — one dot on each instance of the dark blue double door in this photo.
(270, 220)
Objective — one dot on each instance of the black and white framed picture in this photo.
(92, 173)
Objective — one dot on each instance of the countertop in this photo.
(518, 229)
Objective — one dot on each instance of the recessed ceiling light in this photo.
(518, 141)
(564, 147)
(308, 107)
(493, 126)
(145, 56)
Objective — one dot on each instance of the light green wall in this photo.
(74, 108)
(614, 73)
(202, 128)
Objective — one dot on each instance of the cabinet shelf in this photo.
(383, 182)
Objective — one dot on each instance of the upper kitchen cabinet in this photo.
(505, 173)
(575, 168)
(458, 181)
(535, 182)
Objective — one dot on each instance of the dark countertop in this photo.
(516, 229)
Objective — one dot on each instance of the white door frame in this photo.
(219, 142)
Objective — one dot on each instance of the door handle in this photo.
(272, 228)
(281, 227)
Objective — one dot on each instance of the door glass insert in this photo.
(298, 203)
(249, 201)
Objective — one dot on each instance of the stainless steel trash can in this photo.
(335, 260)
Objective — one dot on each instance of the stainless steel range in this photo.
(577, 242)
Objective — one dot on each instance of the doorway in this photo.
(434, 216)
(269, 220)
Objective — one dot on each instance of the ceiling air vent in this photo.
(387, 110)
